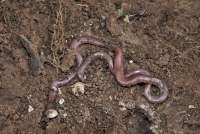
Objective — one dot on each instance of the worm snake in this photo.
(135, 79)
(130, 79)
(74, 45)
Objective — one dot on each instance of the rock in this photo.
(51, 113)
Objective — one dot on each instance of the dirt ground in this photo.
(162, 37)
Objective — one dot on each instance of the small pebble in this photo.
(61, 101)
(130, 61)
(103, 17)
(30, 108)
(191, 106)
(51, 113)
(59, 91)
(64, 115)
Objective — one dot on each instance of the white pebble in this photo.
(59, 91)
(103, 17)
(130, 61)
(42, 53)
(61, 101)
(51, 113)
(30, 108)
(65, 115)
(191, 106)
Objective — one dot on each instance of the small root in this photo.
(58, 41)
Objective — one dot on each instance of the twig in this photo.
(36, 61)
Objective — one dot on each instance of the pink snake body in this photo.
(130, 79)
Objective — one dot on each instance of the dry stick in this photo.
(36, 62)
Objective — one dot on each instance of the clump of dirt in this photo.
(160, 36)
